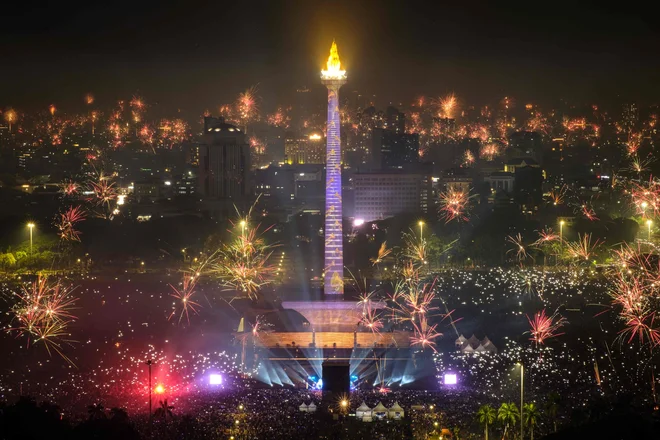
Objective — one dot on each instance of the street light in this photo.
(522, 396)
(30, 227)
(149, 363)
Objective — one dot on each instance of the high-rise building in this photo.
(333, 78)
(224, 161)
(395, 120)
(394, 150)
(630, 116)
(302, 109)
(382, 195)
(304, 149)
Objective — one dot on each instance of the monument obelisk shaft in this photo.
(333, 78)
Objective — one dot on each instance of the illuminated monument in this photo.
(333, 78)
(314, 338)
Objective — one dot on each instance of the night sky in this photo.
(196, 55)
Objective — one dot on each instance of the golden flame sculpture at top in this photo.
(334, 65)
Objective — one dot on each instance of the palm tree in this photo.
(531, 414)
(164, 411)
(552, 408)
(508, 414)
(486, 416)
(96, 411)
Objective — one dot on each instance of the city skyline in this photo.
(446, 226)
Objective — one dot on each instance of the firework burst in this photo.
(645, 198)
(261, 325)
(242, 264)
(546, 236)
(544, 327)
(489, 151)
(247, 106)
(588, 212)
(447, 106)
(280, 118)
(518, 247)
(454, 204)
(415, 249)
(173, 132)
(66, 224)
(556, 196)
(424, 334)
(383, 252)
(10, 117)
(42, 314)
(184, 295)
(371, 319)
(69, 188)
(103, 191)
(468, 158)
(633, 296)
(639, 165)
(634, 142)
(582, 249)
(412, 299)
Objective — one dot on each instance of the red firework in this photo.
(645, 198)
(544, 327)
(641, 326)
(103, 191)
(424, 334)
(67, 223)
(454, 204)
(371, 319)
(69, 188)
(632, 293)
(42, 314)
(589, 213)
(184, 294)
(582, 249)
(546, 236)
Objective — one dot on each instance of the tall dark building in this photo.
(302, 108)
(528, 188)
(526, 144)
(395, 120)
(224, 161)
(394, 150)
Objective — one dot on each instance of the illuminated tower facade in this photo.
(333, 78)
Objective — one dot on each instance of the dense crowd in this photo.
(126, 322)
